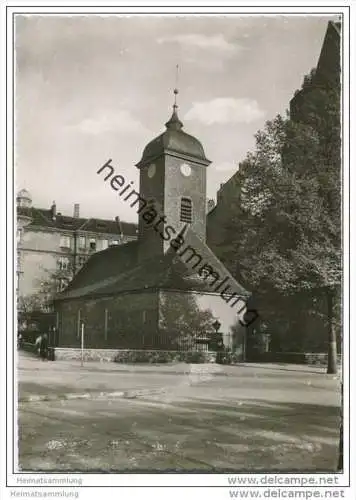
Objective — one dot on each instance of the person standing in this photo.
(20, 341)
(44, 346)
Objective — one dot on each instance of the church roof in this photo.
(116, 270)
(174, 140)
(124, 277)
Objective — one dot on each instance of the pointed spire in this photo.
(174, 122)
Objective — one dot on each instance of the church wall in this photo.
(125, 321)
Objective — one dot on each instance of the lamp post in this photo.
(82, 342)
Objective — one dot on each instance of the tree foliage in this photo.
(287, 221)
(182, 320)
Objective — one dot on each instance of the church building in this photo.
(166, 290)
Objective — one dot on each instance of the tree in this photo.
(287, 225)
(182, 320)
(28, 307)
(34, 310)
(53, 282)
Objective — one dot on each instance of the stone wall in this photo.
(135, 321)
(133, 356)
(298, 358)
(319, 358)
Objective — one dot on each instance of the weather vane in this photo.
(175, 91)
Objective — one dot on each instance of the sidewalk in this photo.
(51, 381)
(48, 381)
(29, 362)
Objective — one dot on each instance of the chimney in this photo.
(76, 210)
(54, 210)
(210, 205)
(118, 222)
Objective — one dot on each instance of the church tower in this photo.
(172, 179)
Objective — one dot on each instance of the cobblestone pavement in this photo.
(188, 417)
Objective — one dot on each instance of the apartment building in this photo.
(52, 247)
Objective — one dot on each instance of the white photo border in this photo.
(8, 340)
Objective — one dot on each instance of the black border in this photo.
(83, 13)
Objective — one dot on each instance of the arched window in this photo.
(186, 210)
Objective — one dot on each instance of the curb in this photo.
(138, 372)
(34, 398)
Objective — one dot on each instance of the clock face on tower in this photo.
(185, 169)
(151, 170)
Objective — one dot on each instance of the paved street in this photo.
(197, 417)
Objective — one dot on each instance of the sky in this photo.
(90, 88)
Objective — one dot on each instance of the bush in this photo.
(146, 356)
(228, 358)
(143, 356)
(195, 357)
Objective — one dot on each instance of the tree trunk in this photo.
(332, 348)
(340, 464)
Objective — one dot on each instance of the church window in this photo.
(79, 318)
(106, 321)
(186, 210)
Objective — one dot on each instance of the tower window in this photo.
(186, 210)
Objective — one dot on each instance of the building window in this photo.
(65, 242)
(104, 244)
(92, 244)
(81, 261)
(82, 242)
(63, 264)
(61, 284)
(19, 235)
(186, 210)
